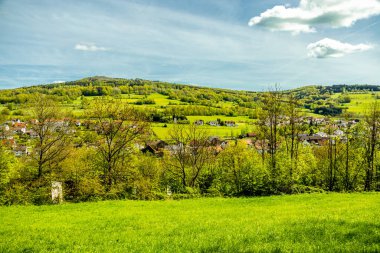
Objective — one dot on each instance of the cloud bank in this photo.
(329, 48)
(89, 47)
(312, 13)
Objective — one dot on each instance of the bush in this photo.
(296, 189)
(5, 111)
(145, 102)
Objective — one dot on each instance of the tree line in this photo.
(103, 160)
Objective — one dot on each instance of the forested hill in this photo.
(116, 82)
(325, 100)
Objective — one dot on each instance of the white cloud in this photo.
(311, 13)
(89, 47)
(332, 48)
(59, 81)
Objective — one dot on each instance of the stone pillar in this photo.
(168, 191)
(56, 192)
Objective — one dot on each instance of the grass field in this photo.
(360, 103)
(299, 223)
(162, 132)
(243, 124)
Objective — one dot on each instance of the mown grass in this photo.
(301, 223)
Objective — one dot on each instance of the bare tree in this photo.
(52, 131)
(270, 122)
(190, 154)
(118, 126)
(292, 130)
(372, 120)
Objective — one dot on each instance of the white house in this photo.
(213, 123)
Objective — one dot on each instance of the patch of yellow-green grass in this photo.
(225, 104)
(160, 99)
(299, 223)
(238, 119)
(162, 130)
(360, 102)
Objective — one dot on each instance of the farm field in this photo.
(162, 130)
(299, 223)
(243, 123)
(360, 103)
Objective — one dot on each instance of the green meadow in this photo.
(299, 223)
(360, 102)
(243, 124)
(162, 130)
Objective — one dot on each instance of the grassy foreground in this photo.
(301, 223)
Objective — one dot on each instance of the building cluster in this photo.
(228, 123)
(11, 136)
(213, 144)
(16, 134)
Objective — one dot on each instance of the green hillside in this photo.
(301, 223)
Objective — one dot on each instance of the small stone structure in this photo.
(168, 191)
(56, 192)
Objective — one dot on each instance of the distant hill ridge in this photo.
(114, 81)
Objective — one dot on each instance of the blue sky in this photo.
(240, 44)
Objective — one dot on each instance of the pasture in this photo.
(162, 130)
(360, 102)
(299, 223)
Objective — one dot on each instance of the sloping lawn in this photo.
(300, 223)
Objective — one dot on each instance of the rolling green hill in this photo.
(300, 223)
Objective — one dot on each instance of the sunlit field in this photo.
(299, 223)
(360, 103)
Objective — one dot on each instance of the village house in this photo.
(214, 141)
(213, 123)
(352, 122)
(9, 142)
(19, 128)
(21, 150)
(60, 123)
(317, 121)
(5, 127)
(199, 122)
(251, 135)
(14, 121)
(174, 148)
(32, 134)
(230, 123)
(315, 139)
(5, 132)
(224, 144)
(155, 147)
